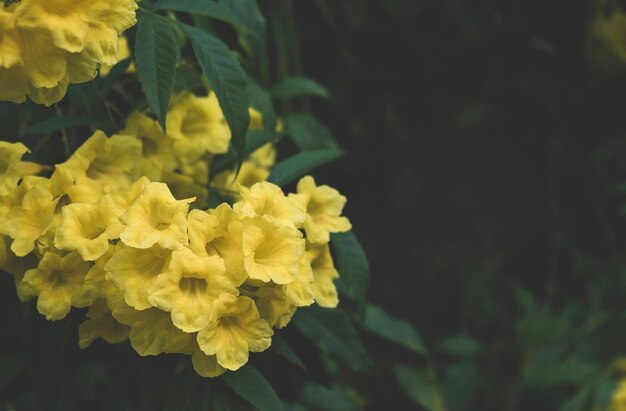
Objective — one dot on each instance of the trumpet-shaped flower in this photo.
(57, 283)
(235, 330)
(101, 324)
(323, 206)
(197, 126)
(271, 252)
(206, 365)
(12, 169)
(267, 199)
(87, 228)
(189, 288)
(156, 217)
(228, 182)
(156, 147)
(100, 164)
(203, 229)
(274, 305)
(29, 221)
(123, 52)
(324, 273)
(151, 330)
(134, 270)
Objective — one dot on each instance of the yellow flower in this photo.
(300, 291)
(156, 217)
(223, 240)
(265, 156)
(87, 228)
(274, 305)
(57, 283)
(123, 52)
(271, 252)
(101, 324)
(324, 274)
(100, 164)
(235, 330)
(197, 126)
(203, 229)
(605, 43)
(12, 169)
(157, 155)
(323, 206)
(29, 221)
(267, 199)
(189, 287)
(151, 330)
(120, 199)
(10, 54)
(74, 26)
(618, 401)
(249, 174)
(134, 270)
(96, 284)
(206, 365)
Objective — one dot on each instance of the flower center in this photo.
(191, 285)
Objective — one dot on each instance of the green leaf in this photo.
(332, 332)
(254, 141)
(296, 166)
(461, 383)
(156, 53)
(227, 80)
(261, 100)
(319, 397)
(420, 386)
(579, 401)
(280, 347)
(114, 75)
(250, 385)
(87, 97)
(462, 346)
(244, 15)
(308, 133)
(353, 267)
(54, 124)
(297, 86)
(402, 332)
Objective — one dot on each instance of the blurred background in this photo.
(486, 146)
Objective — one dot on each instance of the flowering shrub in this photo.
(159, 217)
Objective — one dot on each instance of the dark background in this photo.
(471, 129)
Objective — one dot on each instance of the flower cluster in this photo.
(121, 227)
(47, 44)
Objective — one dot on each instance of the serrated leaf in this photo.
(280, 347)
(54, 124)
(252, 386)
(297, 86)
(378, 322)
(300, 164)
(308, 133)
(254, 141)
(156, 53)
(420, 386)
(353, 267)
(332, 332)
(227, 81)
